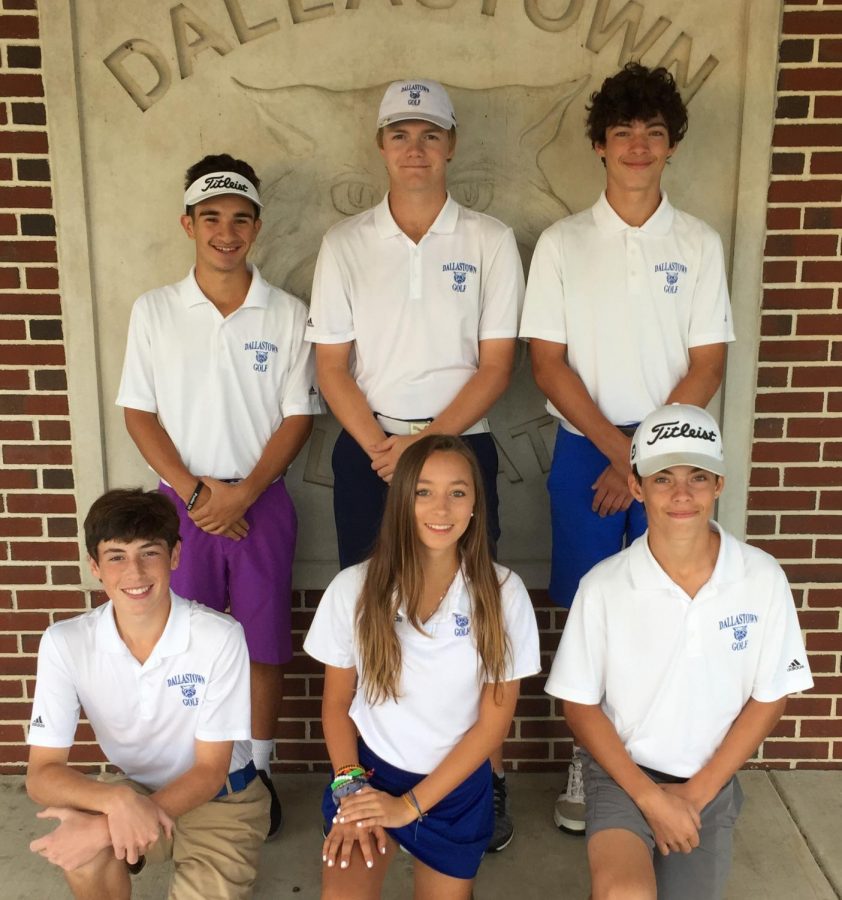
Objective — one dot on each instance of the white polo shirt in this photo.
(671, 673)
(146, 717)
(628, 303)
(415, 312)
(440, 683)
(221, 386)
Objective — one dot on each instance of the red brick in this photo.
(50, 599)
(12, 330)
(779, 272)
(790, 163)
(817, 376)
(808, 191)
(774, 749)
(817, 475)
(782, 548)
(14, 380)
(817, 728)
(34, 404)
(818, 323)
(826, 427)
(785, 451)
(830, 500)
(808, 706)
(824, 641)
(18, 26)
(52, 430)
(832, 452)
(784, 728)
(783, 218)
(764, 477)
(41, 503)
(30, 304)
(827, 106)
(772, 376)
(823, 217)
(796, 51)
(789, 401)
(818, 22)
(42, 279)
(23, 574)
(776, 326)
(39, 454)
(45, 251)
(829, 549)
(797, 244)
(818, 619)
(794, 351)
(826, 597)
(782, 500)
(822, 270)
(8, 224)
(15, 526)
(65, 575)
(820, 573)
(9, 278)
(18, 479)
(12, 430)
(768, 428)
(32, 142)
(823, 662)
(32, 355)
(834, 402)
(807, 79)
(10, 688)
(36, 551)
(826, 163)
(830, 51)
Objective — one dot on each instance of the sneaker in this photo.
(569, 812)
(276, 815)
(504, 830)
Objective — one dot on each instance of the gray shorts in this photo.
(699, 875)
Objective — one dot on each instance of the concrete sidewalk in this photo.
(788, 846)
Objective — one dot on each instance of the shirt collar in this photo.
(658, 224)
(173, 640)
(647, 574)
(387, 227)
(257, 296)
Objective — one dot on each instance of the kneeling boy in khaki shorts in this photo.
(165, 685)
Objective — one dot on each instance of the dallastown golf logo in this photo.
(739, 624)
(414, 91)
(463, 625)
(460, 271)
(672, 270)
(261, 349)
(188, 684)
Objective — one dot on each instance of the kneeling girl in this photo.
(424, 646)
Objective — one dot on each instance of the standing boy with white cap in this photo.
(414, 313)
(219, 392)
(674, 666)
(626, 308)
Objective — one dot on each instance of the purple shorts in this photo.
(251, 578)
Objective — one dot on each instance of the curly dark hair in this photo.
(637, 93)
(221, 162)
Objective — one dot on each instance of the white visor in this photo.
(218, 183)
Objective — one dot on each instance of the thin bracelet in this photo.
(410, 804)
(414, 801)
(195, 495)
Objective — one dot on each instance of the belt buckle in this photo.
(417, 427)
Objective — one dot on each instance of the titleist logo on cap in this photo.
(665, 430)
(214, 182)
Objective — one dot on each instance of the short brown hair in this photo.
(127, 514)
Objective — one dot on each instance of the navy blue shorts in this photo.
(359, 495)
(581, 538)
(453, 835)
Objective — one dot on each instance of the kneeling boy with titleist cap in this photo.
(165, 685)
(674, 666)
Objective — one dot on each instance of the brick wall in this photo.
(795, 506)
(795, 499)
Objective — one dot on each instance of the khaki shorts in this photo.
(216, 846)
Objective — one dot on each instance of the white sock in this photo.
(262, 752)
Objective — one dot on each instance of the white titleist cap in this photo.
(677, 435)
(217, 183)
(413, 99)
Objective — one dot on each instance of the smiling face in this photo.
(635, 154)
(416, 154)
(678, 500)
(224, 228)
(136, 576)
(444, 501)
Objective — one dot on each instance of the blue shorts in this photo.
(359, 495)
(582, 538)
(453, 835)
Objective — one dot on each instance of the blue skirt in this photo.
(453, 835)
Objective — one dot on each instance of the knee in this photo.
(104, 873)
(613, 888)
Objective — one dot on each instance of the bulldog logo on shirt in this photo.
(460, 271)
(261, 349)
(463, 625)
(188, 684)
(672, 271)
(739, 624)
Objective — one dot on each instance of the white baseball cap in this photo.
(677, 435)
(215, 184)
(416, 99)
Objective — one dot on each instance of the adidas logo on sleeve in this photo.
(794, 666)
(38, 723)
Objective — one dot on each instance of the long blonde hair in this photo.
(395, 575)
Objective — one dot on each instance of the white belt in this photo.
(416, 426)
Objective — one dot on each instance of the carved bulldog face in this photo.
(327, 165)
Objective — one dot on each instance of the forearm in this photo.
(196, 786)
(340, 736)
(157, 448)
(281, 449)
(568, 394)
(475, 399)
(59, 785)
(348, 404)
(594, 731)
(707, 364)
(748, 731)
